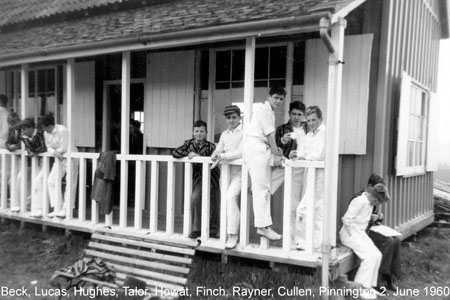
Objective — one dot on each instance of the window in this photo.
(412, 143)
(270, 67)
(42, 91)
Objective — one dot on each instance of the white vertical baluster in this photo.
(3, 182)
(154, 187)
(45, 171)
(206, 205)
(245, 213)
(224, 182)
(287, 208)
(310, 211)
(170, 212)
(138, 196)
(187, 222)
(82, 191)
(94, 210)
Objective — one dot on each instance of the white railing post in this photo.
(224, 183)
(154, 187)
(23, 183)
(138, 196)
(82, 191)
(206, 205)
(34, 166)
(14, 177)
(124, 137)
(3, 183)
(187, 220)
(170, 212)
(58, 185)
(245, 212)
(94, 211)
(287, 207)
(45, 171)
(310, 209)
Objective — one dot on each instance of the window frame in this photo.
(404, 122)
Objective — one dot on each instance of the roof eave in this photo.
(260, 28)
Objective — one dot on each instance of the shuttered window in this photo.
(414, 143)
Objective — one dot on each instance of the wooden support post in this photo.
(287, 207)
(138, 195)
(70, 76)
(289, 78)
(211, 88)
(94, 211)
(124, 137)
(23, 166)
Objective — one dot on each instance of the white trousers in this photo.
(54, 188)
(369, 254)
(317, 202)
(36, 193)
(233, 192)
(296, 193)
(256, 155)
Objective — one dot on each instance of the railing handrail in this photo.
(170, 158)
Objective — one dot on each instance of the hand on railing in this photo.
(191, 155)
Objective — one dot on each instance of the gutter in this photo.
(260, 28)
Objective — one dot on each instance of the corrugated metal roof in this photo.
(153, 18)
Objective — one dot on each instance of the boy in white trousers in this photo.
(230, 148)
(353, 234)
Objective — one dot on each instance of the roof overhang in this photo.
(444, 13)
(261, 28)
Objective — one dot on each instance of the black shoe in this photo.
(194, 234)
(392, 287)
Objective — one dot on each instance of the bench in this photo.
(159, 264)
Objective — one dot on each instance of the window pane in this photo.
(237, 84)
(281, 83)
(411, 128)
(424, 104)
(419, 128)
(299, 64)
(222, 85)
(238, 65)
(223, 60)
(418, 108)
(50, 88)
(412, 101)
(410, 154)
(261, 83)
(31, 83)
(204, 70)
(278, 62)
(41, 81)
(418, 154)
(261, 63)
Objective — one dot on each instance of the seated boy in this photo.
(199, 146)
(230, 148)
(33, 139)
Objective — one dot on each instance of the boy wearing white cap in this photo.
(230, 148)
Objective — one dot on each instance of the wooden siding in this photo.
(416, 32)
(84, 105)
(355, 88)
(169, 98)
(2, 82)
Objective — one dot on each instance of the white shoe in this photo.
(269, 233)
(61, 214)
(368, 294)
(36, 214)
(52, 214)
(232, 241)
(15, 209)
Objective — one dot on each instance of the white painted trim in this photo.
(343, 12)
(211, 89)
(289, 78)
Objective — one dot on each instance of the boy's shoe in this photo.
(15, 209)
(269, 233)
(36, 214)
(61, 214)
(52, 214)
(232, 241)
(194, 234)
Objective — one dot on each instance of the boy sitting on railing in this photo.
(199, 146)
(230, 148)
(33, 138)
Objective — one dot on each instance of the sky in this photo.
(443, 91)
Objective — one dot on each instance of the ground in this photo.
(28, 257)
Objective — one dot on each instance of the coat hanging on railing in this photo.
(103, 181)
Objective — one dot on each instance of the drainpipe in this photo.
(335, 48)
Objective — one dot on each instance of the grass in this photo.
(28, 258)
